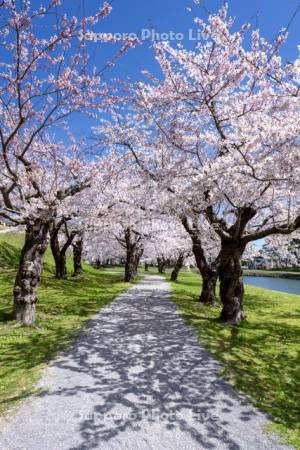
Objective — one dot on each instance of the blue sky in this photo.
(131, 16)
(165, 16)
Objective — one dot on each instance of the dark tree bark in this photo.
(132, 264)
(59, 252)
(29, 273)
(134, 252)
(233, 244)
(77, 257)
(209, 283)
(177, 267)
(59, 258)
(162, 264)
(146, 267)
(209, 272)
(231, 282)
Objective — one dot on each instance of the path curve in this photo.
(137, 379)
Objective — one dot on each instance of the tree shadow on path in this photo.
(137, 378)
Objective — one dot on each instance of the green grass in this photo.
(275, 273)
(62, 310)
(260, 357)
(288, 269)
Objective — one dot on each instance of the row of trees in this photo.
(202, 162)
(219, 135)
(46, 80)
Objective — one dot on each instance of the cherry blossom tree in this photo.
(59, 243)
(206, 249)
(45, 78)
(219, 134)
(169, 244)
(100, 247)
(131, 241)
(282, 249)
(63, 235)
(40, 198)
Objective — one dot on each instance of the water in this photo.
(275, 284)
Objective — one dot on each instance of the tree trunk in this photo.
(231, 282)
(209, 272)
(161, 264)
(132, 262)
(130, 265)
(61, 269)
(146, 267)
(59, 252)
(77, 256)
(138, 254)
(209, 282)
(134, 252)
(177, 268)
(29, 273)
(129, 271)
(59, 257)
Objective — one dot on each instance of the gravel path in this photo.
(136, 379)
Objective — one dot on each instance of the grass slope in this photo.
(63, 308)
(261, 357)
(275, 273)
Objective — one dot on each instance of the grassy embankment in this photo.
(63, 308)
(293, 274)
(260, 357)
